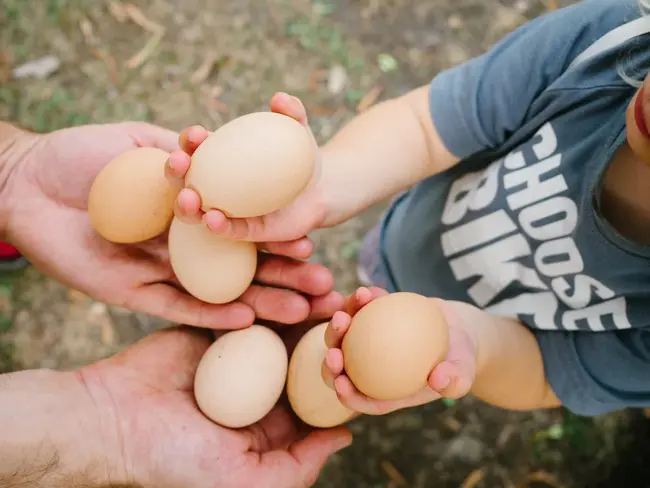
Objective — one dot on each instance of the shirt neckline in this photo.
(613, 144)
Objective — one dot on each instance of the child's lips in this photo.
(639, 119)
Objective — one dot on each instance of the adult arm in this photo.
(15, 144)
(51, 436)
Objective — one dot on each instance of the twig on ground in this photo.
(136, 15)
(93, 42)
(369, 99)
(393, 473)
(203, 71)
(117, 10)
(157, 31)
(474, 478)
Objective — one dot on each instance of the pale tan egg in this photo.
(311, 399)
(253, 165)
(241, 376)
(212, 268)
(393, 344)
(130, 200)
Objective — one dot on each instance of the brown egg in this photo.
(241, 376)
(253, 165)
(392, 345)
(210, 267)
(311, 399)
(130, 199)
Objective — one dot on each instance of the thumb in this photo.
(302, 464)
(166, 358)
(150, 135)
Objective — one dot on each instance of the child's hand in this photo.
(296, 220)
(452, 378)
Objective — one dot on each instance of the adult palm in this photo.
(46, 198)
(156, 435)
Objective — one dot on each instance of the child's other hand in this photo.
(294, 221)
(452, 378)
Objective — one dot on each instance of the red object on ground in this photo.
(7, 251)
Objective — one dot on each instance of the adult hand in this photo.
(451, 378)
(132, 418)
(45, 199)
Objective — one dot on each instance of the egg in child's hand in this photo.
(253, 165)
(311, 399)
(392, 345)
(130, 200)
(241, 376)
(211, 268)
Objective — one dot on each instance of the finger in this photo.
(357, 300)
(336, 329)
(309, 278)
(324, 306)
(332, 366)
(299, 465)
(183, 348)
(362, 296)
(150, 135)
(176, 167)
(252, 229)
(192, 137)
(290, 106)
(187, 206)
(274, 304)
(352, 398)
(165, 301)
(297, 249)
(451, 380)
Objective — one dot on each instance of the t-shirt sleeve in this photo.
(593, 373)
(475, 106)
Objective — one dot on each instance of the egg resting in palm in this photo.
(392, 345)
(253, 165)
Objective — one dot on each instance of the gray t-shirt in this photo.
(514, 228)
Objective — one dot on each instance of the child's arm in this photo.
(381, 152)
(509, 368)
(494, 358)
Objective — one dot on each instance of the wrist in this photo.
(52, 433)
(15, 145)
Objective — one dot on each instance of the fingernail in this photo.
(446, 381)
(638, 114)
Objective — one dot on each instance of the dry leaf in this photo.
(111, 64)
(452, 424)
(218, 105)
(369, 99)
(5, 66)
(321, 110)
(393, 473)
(474, 478)
(540, 477)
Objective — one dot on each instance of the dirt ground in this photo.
(180, 62)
